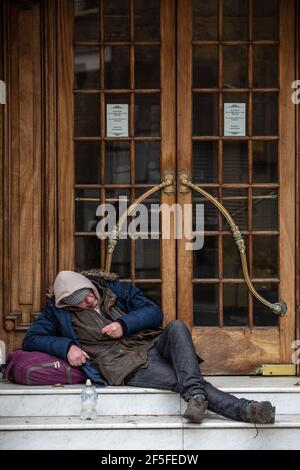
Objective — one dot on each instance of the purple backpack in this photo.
(37, 368)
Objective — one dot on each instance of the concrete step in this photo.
(146, 432)
(18, 400)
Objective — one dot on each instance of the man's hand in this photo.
(76, 356)
(114, 330)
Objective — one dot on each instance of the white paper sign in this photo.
(234, 119)
(2, 92)
(117, 120)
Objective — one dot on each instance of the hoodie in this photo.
(67, 282)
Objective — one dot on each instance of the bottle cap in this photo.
(88, 383)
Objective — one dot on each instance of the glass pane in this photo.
(147, 259)
(235, 69)
(235, 20)
(152, 204)
(265, 66)
(205, 114)
(205, 19)
(147, 20)
(242, 126)
(86, 203)
(147, 67)
(205, 261)
(265, 19)
(87, 115)
(232, 268)
(87, 162)
(265, 161)
(147, 114)
(265, 209)
(205, 304)
(120, 199)
(121, 258)
(147, 162)
(117, 162)
(116, 20)
(205, 162)
(235, 162)
(115, 129)
(265, 257)
(117, 68)
(265, 114)
(87, 253)
(263, 315)
(152, 291)
(86, 22)
(211, 214)
(87, 68)
(236, 202)
(235, 304)
(205, 66)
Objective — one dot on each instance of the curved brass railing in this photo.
(279, 308)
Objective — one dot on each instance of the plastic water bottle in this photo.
(89, 399)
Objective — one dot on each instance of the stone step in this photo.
(147, 433)
(18, 400)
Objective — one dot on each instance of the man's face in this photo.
(90, 301)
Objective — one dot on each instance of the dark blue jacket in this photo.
(52, 332)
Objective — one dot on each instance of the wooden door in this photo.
(238, 53)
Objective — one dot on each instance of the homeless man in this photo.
(111, 330)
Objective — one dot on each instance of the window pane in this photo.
(116, 20)
(205, 114)
(86, 203)
(121, 258)
(211, 213)
(117, 162)
(151, 291)
(147, 114)
(263, 315)
(265, 257)
(235, 68)
(235, 21)
(265, 161)
(236, 202)
(205, 162)
(87, 68)
(235, 162)
(205, 66)
(117, 68)
(235, 301)
(87, 253)
(87, 162)
(232, 268)
(87, 115)
(205, 304)
(147, 20)
(116, 129)
(86, 22)
(205, 261)
(147, 162)
(205, 19)
(147, 259)
(265, 114)
(238, 98)
(265, 209)
(265, 66)
(147, 67)
(265, 19)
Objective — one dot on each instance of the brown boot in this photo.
(195, 409)
(260, 412)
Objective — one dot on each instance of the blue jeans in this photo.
(173, 364)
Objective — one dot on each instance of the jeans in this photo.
(173, 365)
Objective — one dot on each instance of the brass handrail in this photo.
(279, 308)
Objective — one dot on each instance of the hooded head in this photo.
(70, 288)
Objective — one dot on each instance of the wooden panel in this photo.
(168, 151)
(25, 183)
(238, 351)
(66, 208)
(287, 176)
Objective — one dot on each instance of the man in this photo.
(111, 330)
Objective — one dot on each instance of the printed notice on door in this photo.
(234, 119)
(117, 120)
